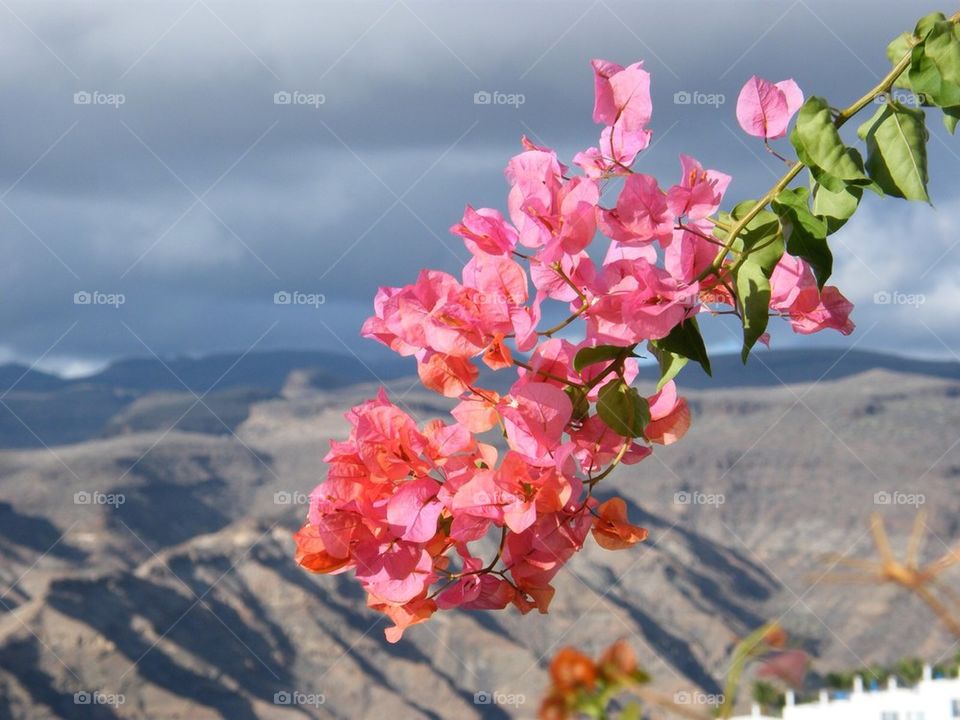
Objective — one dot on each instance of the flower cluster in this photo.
(435, 516)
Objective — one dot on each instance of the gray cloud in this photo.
(296, 197)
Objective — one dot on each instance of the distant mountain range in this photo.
(184, 596)
(213, 394)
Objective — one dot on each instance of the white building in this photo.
(931, 699)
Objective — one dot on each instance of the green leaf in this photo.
(899, 47)
(951, 115)
(934, 68)
(753, 291)
(818, 144)
(578, 398)
(591, 355)
(671, 364)
(896, 138)
(686, 341)
(622, 409)
(836, 207)
(761, 238)
(927, 23)
(805, 233)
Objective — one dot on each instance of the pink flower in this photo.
(535, 415)
(669, 416)
(700, 191)
(622, 103)
(794, 292)
(641, 215)
(414, 509)
(640, 302)
(485, 231)
(764, 109)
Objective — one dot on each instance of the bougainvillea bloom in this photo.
(481, 510)
(764, 108)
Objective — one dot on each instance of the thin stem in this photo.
(544, 373)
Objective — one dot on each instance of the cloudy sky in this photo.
(143, 153)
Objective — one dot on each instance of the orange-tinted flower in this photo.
(618, 661)
(572, 670)
(611, 529)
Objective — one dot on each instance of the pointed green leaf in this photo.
(591, 355)
(836, 207)
(753, 291)
(900, 46)
(896, 138)
(818, 143)
(685, 340)
(927, 23)
(950, 117)
(670, 363)
(805, 233)
(622, 409)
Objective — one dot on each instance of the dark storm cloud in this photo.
(198, 197)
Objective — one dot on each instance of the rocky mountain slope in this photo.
(156, 563)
